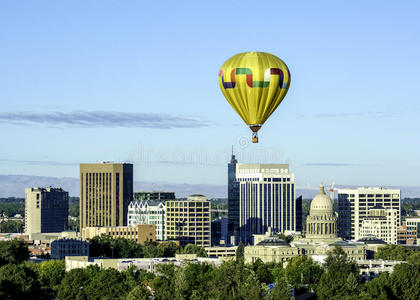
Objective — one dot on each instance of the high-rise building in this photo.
(148, 212)
(380, 223)
(154, 196)
(189, 221)
(46, 210)
(354, 205)
(260, 196)
(299, 216)
(106, 190)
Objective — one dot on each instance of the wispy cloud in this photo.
(38, 162)
(91, 119)
(328, 164)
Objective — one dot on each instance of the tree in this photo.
(262, 272)
(18, 282)
(168, 249)
(139, 292)
(335, 283)
(234, 280)
(393, 252)
(194, 249)
(74, 283)
(405, 281)
(303, 270)
(240, 252)
(281, 291)
(287, 238)
(50, 274)
(14, 251)
(107, 284)
(114, 247)
(163, 284)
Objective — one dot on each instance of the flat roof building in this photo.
(354, 206)
(46, 210)
(189, 221)
(106, 190)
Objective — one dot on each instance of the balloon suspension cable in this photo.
(255, 137)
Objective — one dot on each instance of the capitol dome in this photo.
(321, 204)
(321, 223)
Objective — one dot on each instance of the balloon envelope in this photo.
(254, 84)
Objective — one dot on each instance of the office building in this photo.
(153, 196)
(380, 223)
(148, 212)
(69, 247)
(219, 231)
(299, 216)
(189, 221)
(354, 206)
(106, 190)
(260, 196)
(46, 210)
(409, 231)
(139, 233)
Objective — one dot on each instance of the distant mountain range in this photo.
(14, 186)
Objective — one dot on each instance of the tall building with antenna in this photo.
(260, 196)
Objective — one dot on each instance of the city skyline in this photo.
(87, 82)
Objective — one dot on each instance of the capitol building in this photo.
(321, 237)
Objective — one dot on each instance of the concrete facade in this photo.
(189, 221)
(106, 190)
(381, 223)
(139, 233)
(354, 205)
(409, 232)
(46, 210)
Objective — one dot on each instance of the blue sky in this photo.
(84, 81)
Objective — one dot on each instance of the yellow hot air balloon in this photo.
(254, 84)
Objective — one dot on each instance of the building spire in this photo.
(233, 158)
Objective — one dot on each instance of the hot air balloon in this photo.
(254, 84)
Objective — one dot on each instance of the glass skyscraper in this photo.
(260, 196)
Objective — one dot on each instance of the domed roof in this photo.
(273, 241)
(371, 240)
(321, 203)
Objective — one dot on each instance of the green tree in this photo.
(303, 270)
(14, 251)
(192, 280)
(405, 281)
(139, 292)
(335, 283)
(151, 249)
(168, 249)
(240, 252)
(377, 288)
(262, 272)
(18, 282)
(50, 274)
(107, 284)
(282, 290)
(194, 249)
(107, 246)
(393, 252)
(287, 238)
(234, 280)
(74, 283)
(164, 283)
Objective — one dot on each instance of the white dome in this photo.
(321, 204)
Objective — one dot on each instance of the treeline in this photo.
(106, 246)
(337, 278)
